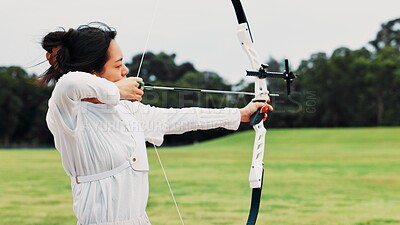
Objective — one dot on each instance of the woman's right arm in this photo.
(71, 89)
(74, 87)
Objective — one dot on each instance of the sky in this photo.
(201, 32)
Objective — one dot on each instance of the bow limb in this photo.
(261, 94)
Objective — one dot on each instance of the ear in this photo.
(52, 56)
(96, 73)
(48, 54)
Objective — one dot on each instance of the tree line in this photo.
(344, 89)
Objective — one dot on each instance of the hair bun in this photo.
(69, 37)
(83, 49)
(53, 40)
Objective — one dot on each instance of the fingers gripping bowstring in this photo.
(155, 148)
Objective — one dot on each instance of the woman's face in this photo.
(114, 69)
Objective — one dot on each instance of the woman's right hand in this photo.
(130, 89)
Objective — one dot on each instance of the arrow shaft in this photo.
(200, 90)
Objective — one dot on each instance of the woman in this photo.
(101, 138)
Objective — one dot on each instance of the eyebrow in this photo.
(119, 60)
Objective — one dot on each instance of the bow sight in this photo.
(262, 73)
(287, 75)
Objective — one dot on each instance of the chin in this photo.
(114, 79)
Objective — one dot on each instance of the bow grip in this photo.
(256, 117)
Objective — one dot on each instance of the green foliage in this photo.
(160, 67)
(23, 106)
(389, 35)
(312, 176)
(10, 103)
(353, 88)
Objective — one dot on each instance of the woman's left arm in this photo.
(157, 122)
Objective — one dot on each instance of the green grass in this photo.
(312, 176)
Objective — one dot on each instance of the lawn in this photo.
(312, 177)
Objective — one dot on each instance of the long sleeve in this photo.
(157, 122)
(96, 138)
(72, 88)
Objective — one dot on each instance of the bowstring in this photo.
(169, 185)
(148, 37)
(155, 148)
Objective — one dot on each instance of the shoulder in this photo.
(71, 79)
(72, 76)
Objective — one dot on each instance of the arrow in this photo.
(147, 87)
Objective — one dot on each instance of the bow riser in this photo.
(257, 165)
(261, 93)
(244, 36)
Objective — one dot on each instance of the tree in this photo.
(384, 75)
(160, 67)
(383, 83)
(10, 102)
(23, 106)
(389, 35)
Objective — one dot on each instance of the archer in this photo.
(101, 138)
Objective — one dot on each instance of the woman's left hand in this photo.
(251, 108)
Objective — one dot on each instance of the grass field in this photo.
(312, 177)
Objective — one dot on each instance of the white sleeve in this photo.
(157, 122)
(71, 88)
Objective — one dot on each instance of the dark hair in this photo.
(82, 49)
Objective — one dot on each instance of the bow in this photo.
(261, 95)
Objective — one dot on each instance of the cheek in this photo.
(113, 75)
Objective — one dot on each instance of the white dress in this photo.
(96, 138)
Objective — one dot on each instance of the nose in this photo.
(125, 71)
